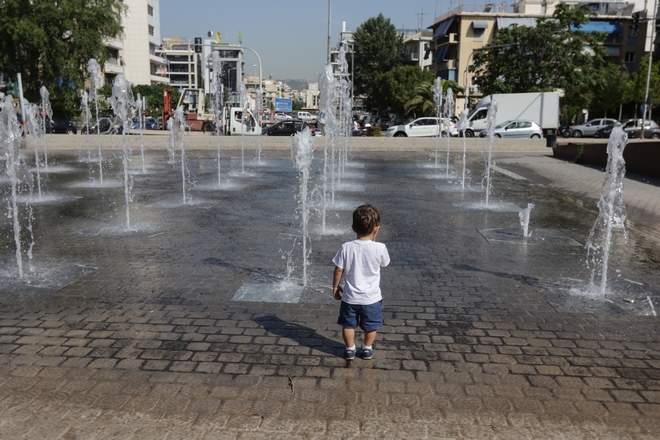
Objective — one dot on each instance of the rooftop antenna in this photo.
(420, 18)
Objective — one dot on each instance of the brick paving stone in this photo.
(467, 343)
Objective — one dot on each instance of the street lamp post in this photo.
(467, 67)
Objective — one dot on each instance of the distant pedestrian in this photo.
(359, 261)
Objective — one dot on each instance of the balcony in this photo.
(112, 66)
(114, 43)
(447, 65)
(156, 60)
(411, 56)
(451, 38)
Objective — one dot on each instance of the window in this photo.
(630, 57)
(151, 30)
(478, 34)
(150, 10)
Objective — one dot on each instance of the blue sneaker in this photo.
(349, 354)
(367, 353)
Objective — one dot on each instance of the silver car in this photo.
(517, 128)
(591, 127)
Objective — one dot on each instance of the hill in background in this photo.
(297, 84)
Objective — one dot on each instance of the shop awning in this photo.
(505, 22)
(443, 28)
(440, 53)
(608, 27)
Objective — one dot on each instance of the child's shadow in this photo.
(304, 336)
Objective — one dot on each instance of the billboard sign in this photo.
(283, 105)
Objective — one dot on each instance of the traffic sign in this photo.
(283, 105)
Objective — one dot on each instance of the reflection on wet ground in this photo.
(249, 223)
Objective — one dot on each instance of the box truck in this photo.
(540, 107)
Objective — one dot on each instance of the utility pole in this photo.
(329, 10)
(647, 105)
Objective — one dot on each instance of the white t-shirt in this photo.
(361, 261)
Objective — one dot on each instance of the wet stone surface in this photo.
(475, 345)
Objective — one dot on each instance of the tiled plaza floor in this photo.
(480, 339)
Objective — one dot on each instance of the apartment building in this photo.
(458, 34)
(133, 53)
(415, 48)
(183, 65)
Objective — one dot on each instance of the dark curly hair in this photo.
(365, 219)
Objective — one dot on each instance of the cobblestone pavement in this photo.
(144, 340)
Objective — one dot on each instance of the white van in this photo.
(305, 116)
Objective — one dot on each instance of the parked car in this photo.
(159, 123)
(517, 128)
(149, 124)
(56, 125)
(591, 127)
(607, 130)
(633, 128)
(428, 126)
(281, 116)
(383, 123)
(105, 124)
(286, 128)
(305, 116)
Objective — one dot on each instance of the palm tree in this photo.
(422, 98)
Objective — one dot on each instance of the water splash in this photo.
(35, 128)
(18, 173)
(328, 106)
(524, 219)
(491, 118)
(612, 213)
(437, 99)
(177, 131)
(462, 125)
(47, 114)
(93, 69)
(302, 153)
(448, 114)
(242, 93)
(258, 111)
(121, 102)
(345, 113)
(84, 106)
(217, 93)
(140, 108)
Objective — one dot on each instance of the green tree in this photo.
(422, 101)
(154, 96)
(547, 57)
(638, 83)
(49, 43)
(392, 89)
(611, 87)
(378, 48)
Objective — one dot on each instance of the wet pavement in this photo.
(141, 334)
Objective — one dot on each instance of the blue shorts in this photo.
(368, 317)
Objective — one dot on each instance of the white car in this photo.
(428, 126)
(281, 116)
(516, 129)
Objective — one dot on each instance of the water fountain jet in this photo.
(302, 153)
(121, 102)
(612, 213)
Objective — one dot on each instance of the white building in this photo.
(140, 40)
(183, 64)
(415, 49)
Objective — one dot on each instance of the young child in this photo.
(359, 261)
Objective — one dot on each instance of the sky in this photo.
(290, 36)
